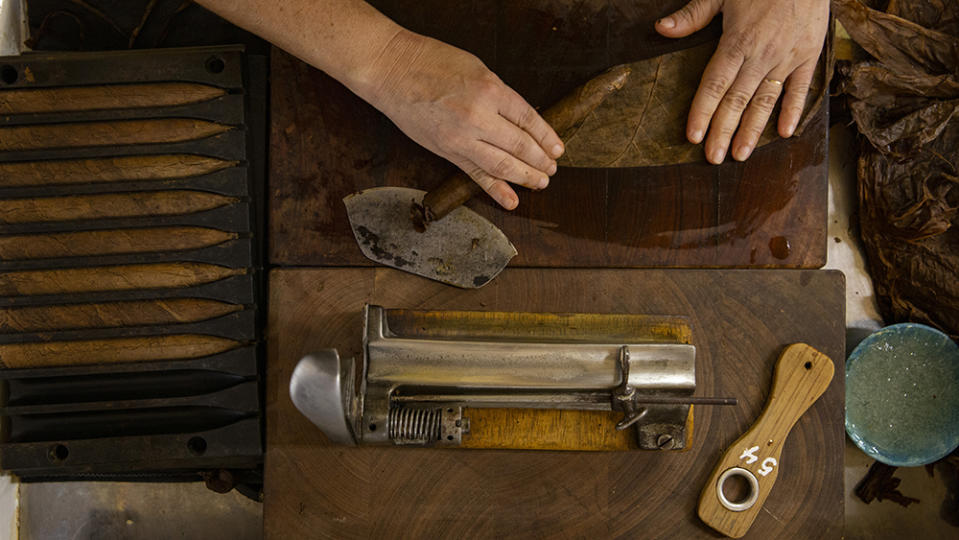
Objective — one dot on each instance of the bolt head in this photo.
(665, 441)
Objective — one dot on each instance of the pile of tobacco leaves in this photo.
(905, 102)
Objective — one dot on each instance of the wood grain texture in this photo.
(740, 322)
(114, 169)
(110, 205)
(517, 429)
(110, 242)
(110, 96)
(571, 327)
(528, 429)
(532, 429)
(153, 131)
(112, 314)
(112, 278)
(802, 374)
(141, 349)
(327, 143)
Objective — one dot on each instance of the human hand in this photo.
(446, 100)
(764, 46)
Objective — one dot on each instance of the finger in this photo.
(722, 69)
(692, 17)
(496, 188)
(797, 86)
(757, 115)
(499, 164)
(507, 137)
(730, 110)
(518, 111)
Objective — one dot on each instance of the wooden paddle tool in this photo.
(802, 375)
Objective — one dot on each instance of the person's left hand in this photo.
(764, 47)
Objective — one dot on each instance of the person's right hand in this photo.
(445, 99)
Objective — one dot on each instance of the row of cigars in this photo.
(78, 229)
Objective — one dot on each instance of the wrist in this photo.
(380, 74)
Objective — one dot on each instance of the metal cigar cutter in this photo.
(415, 389)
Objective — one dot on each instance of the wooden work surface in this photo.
(740, 320)
(327, 143)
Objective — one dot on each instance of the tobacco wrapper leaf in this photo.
(644, 123)
(905, 102)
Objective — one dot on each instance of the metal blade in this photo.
(462, 249)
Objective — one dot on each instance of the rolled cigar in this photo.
(113, 278)
(152, 131)
(112, 314)
(110, 96)
(111, 205)
(81, 171)
(84, 243)
(99, 351)
(564, 117)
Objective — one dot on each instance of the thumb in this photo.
(692, 17)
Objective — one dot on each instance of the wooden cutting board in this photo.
(326, 143)
(740, 320)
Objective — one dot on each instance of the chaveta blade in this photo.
(462, 249)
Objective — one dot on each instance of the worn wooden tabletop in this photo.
(767, 212)
(740, 320)
(326, 143)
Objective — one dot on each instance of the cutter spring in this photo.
(415, 426)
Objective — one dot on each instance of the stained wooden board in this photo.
(326, 143)
(740, 320)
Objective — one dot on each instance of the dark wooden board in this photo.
(327, 143)
(740, 319)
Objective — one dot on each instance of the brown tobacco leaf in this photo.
(939, 15)
(644, 123)
(879, 483)
(910, 229)
(906, 103)
(877, 84)
(902, 45)
(912, 130)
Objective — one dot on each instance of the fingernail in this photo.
(556, 151)
(667, 22)
(511, 201)
(551, 170)
(742, 152)
(543, 182)
(791, 129)
(718, 155)
(696, 136)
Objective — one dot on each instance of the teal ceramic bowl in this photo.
(902, 395)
